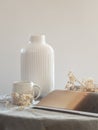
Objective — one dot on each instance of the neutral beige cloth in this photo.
(45, 120)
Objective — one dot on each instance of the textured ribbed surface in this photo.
(37, 65)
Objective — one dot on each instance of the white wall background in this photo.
(71, 27)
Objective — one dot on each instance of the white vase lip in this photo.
(37, 39)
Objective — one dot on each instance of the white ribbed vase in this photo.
(37, 64)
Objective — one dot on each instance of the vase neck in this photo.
(38, 39)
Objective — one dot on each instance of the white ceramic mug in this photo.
(23, 93)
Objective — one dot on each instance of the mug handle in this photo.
(38, 88)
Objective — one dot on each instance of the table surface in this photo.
(34, 119)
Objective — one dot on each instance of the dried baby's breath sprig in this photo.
(71, 83)
(71, 77)
(85, 86)
(69, 86)
(88, 85)
(22, 99)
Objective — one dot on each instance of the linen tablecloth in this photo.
(34, 119)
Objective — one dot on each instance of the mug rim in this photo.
(23, 82)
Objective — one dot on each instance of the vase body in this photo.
(37, 64)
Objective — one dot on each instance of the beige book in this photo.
(71, 100)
